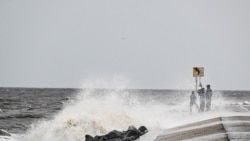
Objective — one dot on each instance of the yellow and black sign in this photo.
(198, 71)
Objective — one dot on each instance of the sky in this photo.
(138, 44)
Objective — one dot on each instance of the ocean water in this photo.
(36, 114)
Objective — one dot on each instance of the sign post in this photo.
(198, 72)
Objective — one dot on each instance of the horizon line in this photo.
(17, 87)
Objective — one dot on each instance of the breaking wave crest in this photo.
(98, 113)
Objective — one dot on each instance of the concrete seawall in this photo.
(234, 128)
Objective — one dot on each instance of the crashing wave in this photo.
(4, 133)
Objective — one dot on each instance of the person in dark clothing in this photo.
(130, 135)
(202, 95)
(193, 102)
(208, 98)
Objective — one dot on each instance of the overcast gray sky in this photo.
(132, 43)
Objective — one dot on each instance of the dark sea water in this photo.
(37, 114)
(20, 107)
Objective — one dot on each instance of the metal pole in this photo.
(196, 83)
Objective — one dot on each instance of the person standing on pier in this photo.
(202, 95)
(208, 98)
(193, 102)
